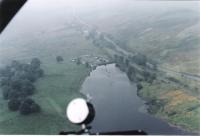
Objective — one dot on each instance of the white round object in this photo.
(77, 111)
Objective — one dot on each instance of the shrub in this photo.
(59, 59)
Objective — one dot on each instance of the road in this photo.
(180, 74)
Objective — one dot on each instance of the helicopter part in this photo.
(8, 9)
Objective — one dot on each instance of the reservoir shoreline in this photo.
(111, 77)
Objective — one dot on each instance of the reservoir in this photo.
(117, 105)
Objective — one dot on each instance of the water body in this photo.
(117, 105)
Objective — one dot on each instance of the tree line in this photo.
(126, 64)
(17, 84)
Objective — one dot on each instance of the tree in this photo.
(28, 106)
(5, 91)
(14, 104)
(15, 83)
(35, 63)
(87, 64)
(35, 108)
(131, 70)
(127, 62)
(131, 73)
(6, 72)
(152, 77)
(146, 75)
(16, 64)
(31, 76)
(26, 67)
(59, 59)
(78, 62)
(39, 73)
(4, 81)
(13, 94)
(140, 59)
(139, 86)
(27, 88)
(20, 75)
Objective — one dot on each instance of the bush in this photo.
(59, 59)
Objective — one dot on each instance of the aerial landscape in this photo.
(138, 61)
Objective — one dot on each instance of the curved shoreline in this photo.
(179, 128)
(168, 122)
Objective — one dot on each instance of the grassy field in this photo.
(179, 108)
(61, 83)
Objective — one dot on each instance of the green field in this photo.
(173, 104)
(61, 83)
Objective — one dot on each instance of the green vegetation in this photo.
(136, 68)
(53, 91)
(59, 59)
(17, 84)
(154, 40)
(172, 104)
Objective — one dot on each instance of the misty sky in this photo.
(37, 13)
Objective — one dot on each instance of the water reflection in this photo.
(117, 105)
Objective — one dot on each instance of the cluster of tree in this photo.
(17, 84)
(25, 106)
(133, 73)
